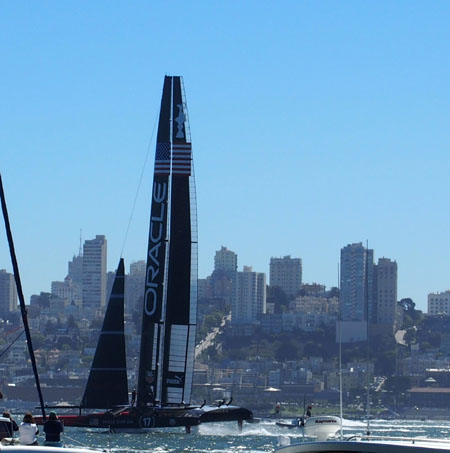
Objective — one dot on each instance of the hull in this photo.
(17, 448)
(131, 419)
(137, 420)
(321, 427)
(375, 446)
(211, 414)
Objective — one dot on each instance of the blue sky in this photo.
(314, 124)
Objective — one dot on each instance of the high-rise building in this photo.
(75, 271)
(134, 287)
(439, 303)
(225, 260)
(248, 300)
(385, 273)
(8, 293)
(356, 295)
(94, 273)
(286, 273)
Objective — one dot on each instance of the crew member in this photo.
(11, 427)
(28, 430)
(53, 429)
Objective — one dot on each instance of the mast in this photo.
(368, 308)
(341, 409)
(170, 304)
(155, 292)
(181, 303)
(23, 309)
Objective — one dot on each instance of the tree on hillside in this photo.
(411, 316)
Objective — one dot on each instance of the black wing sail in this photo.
(152, 319)
(181, 303)
(107, 385)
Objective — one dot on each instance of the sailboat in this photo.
(166, 365)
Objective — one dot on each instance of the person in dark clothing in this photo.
(53, 429)
(133, 397)
(308, 411)
(13, 426)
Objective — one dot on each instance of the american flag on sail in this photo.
(162, 158)
(181, 159)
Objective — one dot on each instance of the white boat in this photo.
(321, 427)
(370, 445)
(18, 448)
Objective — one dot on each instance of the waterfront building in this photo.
(8, 294)
(94, 273)
(439, 303)
(286, 273)
(248, 300)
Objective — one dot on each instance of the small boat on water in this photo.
(320, 427)
(18, 448)
(370, 444)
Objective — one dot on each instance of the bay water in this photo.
(254, 438)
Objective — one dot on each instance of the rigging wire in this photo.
(7, 347)
(139, 186)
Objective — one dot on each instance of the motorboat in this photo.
(321, 427)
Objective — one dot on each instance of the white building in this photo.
(439, 303)
(225, 260)
(248, 300)
(313, 304)
(67, 291)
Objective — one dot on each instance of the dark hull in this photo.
(133, 418)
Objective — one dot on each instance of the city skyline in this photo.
(314, 125)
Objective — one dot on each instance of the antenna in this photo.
(340, 355)
(368, 343)
(80, 250)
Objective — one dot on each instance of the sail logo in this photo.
(175, 380)
(155, 243)
(180, 119)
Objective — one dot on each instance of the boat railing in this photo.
(413, 440)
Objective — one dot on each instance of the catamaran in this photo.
(166, 365)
